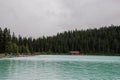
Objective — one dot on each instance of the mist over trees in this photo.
(105, 41)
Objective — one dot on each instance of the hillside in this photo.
(105, 41)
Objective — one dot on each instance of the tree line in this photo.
(105, 40)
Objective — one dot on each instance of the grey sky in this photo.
(47, 17)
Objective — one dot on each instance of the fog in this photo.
(48, 17)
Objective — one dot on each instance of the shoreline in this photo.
(13, 56)
(4, 55)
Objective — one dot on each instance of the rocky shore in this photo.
(11, 56)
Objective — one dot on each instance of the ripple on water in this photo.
(60, 68)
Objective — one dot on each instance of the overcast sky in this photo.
(47, 17)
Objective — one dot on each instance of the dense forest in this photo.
(105, 41)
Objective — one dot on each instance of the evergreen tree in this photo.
(105, 40)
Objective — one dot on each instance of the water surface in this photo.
(60, 68)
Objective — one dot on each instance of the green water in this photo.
(60, 68)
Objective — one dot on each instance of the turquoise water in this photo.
(60, 68)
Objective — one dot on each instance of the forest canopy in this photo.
(105, 41)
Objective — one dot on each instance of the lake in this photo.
(56, 67)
